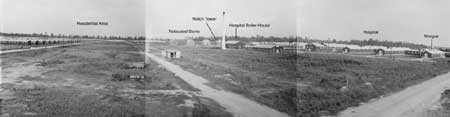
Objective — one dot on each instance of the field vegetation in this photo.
(260, 75)
(330, 83)
(304, 84)
(79, 81)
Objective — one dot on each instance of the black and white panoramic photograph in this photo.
(224, 58)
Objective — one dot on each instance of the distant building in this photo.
(433, 53)
(277, 49)
(393, 50)
(426, 53)
(235, 44)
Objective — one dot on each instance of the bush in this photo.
(50, 62)
(445, 99)
(200, 110)
(119, 77)
(123, 77)
(316, 101)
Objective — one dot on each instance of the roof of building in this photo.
(232, 42)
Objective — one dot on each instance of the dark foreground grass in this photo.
(328, 84)
(67, 101)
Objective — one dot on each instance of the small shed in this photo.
(171, 54)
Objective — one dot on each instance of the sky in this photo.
(124, 17)
(1, 16)
(163, 15)
(396, 20)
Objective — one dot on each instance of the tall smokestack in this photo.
(223, 32)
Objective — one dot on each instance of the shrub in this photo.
(50, 62)
(445, 99)
(119, 77)
(200, 110)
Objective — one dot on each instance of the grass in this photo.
(77, 81)
(4, 47)
(306, 84)
(68, 101)
(328, 84)
(266, 77)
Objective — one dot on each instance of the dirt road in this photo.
(236, 104)
(413, 101)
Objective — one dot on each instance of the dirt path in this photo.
(236, 104)
(412, 101)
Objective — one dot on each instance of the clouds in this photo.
(1, 16)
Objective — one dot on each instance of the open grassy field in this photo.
(304, 84)
(330, 83)
(4, 47)
(12, 47)
(265, 77)
(85, 80)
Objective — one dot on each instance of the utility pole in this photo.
(223, 31)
